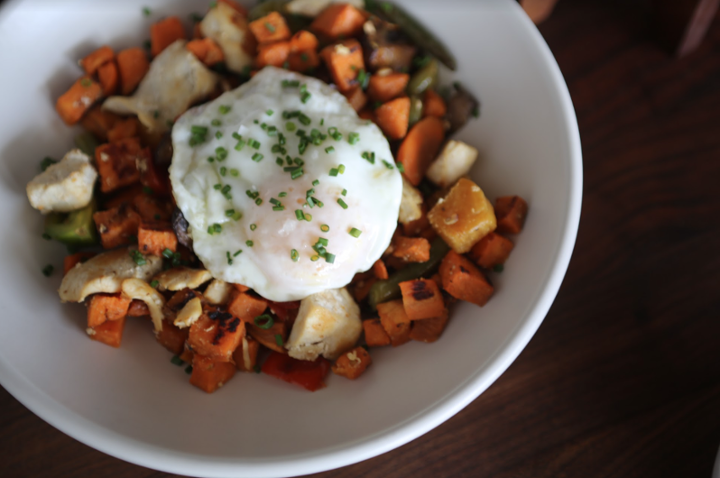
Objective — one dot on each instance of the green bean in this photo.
(420, 35)
(87, 143)
(389, 289)
(416, 110)
(426, 77)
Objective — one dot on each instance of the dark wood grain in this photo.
(623, 377)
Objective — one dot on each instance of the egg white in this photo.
(373, 191)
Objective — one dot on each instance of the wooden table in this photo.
(623, 377)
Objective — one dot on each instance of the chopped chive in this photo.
(146, 11)
(252, 194)
(278, 208)
(269, 27)
(387, 164)
(315, 183)
(308, 217)
(269, 112)
(257, 157)
(299, 162)
(282, 194)
(138, 257)
(279, 340)
(342, 203)
(329, 258)
(318, 202)
(221, 153)
(304, 119)
(254, 143)
(236, 136)
(188, 369)
(264, 321)
(297, 173)
(86, 82)
(46, 163)
(237, 216)
(400, 166)
(369, 156)
(240, 145)
(216, 122)
(253, 226)
(290, 83)
(341, 168)
(224, 109)
(217, 228)
(499, 268)
(229, 258)
(353, 138)
(279, 161)
(230, 212)
(234, 172)
(48, 269)
(304, 97)
(175, 360)
(314, 258)
(363, 79)
(198, 129)
(322, 121)
(156, 114)
(223, 171)
(46, 236)
(333, 172)
(249, 243)
(258, 201)
(294, 255)
(299, 214)
(354, 232)
(310, 201)
(218, 134)
(256, 122)
(225, 189)
(237, 253)
(344, 192)
(154, 283)
(329, 149)
(275, 202)
(324, 228)
(323, 241)
(217, 187)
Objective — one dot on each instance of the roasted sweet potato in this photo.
(491, 250)
(117, 226)
(273, 54)
(270, 28)
(138, 308)
(155, 237)
(375, 335)
(104, 307)
(99, 122)
(109, 333)
(132, 64)
(76, 101)
(344, 60)
(309, 375)
(384, 88)
(207, 51)
(463, 280)
(395, 321)
(352, 364)
(164, 33)
(433, 104)
(208, 375)
(420, 147)
(429, 330)
(339, 20)
(411, 249)
(116, 163)
(422, 299)
(303, 62)
(96, 59)
(511, 212)
(74, 259)
(380, 270)
(393, 117)
(273, 338)
(124, 129)
(216, 335)
(303, 41)
(356, 97)
(151, 208)
(245, 355)
(172, 338)
(109, 77)
(246, 306)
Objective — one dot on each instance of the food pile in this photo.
(277, 193)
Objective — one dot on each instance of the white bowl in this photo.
(134, 404)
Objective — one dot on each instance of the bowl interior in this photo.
(133, 403)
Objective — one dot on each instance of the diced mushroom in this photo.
(105, 273)
(176, 80)
(328, 324)
(65, 186)
(386, 46)
(453, 162)
(189, 313)
(230, 30)
(311, 8)
(218, 292)
(179, 278)
(138, 289)
(410, 203)
(182, 228)
(461, 106)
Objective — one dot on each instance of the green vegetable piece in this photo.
(389, 289)
(75, 228)
(417, 33)
(423, 79)
(87, 144)
(416, 110)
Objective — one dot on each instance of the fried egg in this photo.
(285, 189)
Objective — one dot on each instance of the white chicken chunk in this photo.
(230, 30)
(218, 292)
(410, 204)
(454, 162)
(138, 289)
(179, 278)
(176, 80)
(105, 273)
(65, 186)
(328, 324)
(311, 8)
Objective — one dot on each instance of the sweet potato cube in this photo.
(380, 270)
(491, 250)
(303, 61)
(273, 54)
(463, 217)
(361, 288)
(72, 105)
(246, 306)
(411, 249)
(116, 163)
(384, 88)
(109, 333)
(463, 280)
(511, 212)
(154, 237)
(273, 338)
(109, 77)
(208, 375)
(422, 299)
(132, 64)
(352, 364)
(138, 308)
(104, 307)
(216, 335)
(172, 338)
(124, 129)
(429, 330)
(151, 208)
(99, 122)
(245, 356)
(393, 117)
(96, 59)
(303, 41)
(117, 226)
(433, 104)
(375, 335)
(339, 20)
(344, 60)
(74, 259)
(356, 97)
(206, 50)
(395, 321)
(270, 28)
(164, 33)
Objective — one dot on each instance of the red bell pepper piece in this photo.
(309, 375)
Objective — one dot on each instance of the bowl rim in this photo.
(155, 457)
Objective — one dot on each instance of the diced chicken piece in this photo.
(230, 30)
(176, 80)
(328, 324)
(189, 314)
(179, 278)
(105, 273)
(410, 203)
(311, 8)
(138, 289)
(454, 162)
(65, 186)
(218, 292)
